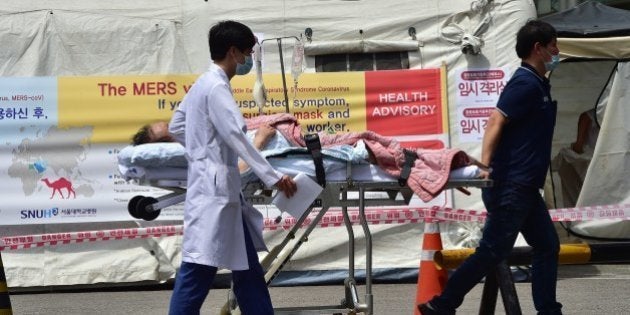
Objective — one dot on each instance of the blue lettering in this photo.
(39, 214)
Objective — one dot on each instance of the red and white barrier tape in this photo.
(330, 219)
(31, 241)
(385, 216)
(591, 213)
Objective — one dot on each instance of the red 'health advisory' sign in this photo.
(404, 102)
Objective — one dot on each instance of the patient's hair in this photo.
(142, 136)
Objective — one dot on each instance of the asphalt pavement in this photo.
(602, 289)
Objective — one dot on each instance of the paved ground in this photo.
(582, 290)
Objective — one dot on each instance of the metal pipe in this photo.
(368, 252)
(284, 78)
(348, 224)
(508, 290)
(570, 254)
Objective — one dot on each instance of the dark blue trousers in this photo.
(193, 283)
(511, 208)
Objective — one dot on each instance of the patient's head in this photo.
(154, 132)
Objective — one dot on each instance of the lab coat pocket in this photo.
(227, 183)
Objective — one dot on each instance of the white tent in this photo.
(594, 40)
(79, 38)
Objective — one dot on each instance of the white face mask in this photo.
(555, 60)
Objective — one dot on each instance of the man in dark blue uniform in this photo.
(517, 147)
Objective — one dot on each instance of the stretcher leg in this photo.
(348, 225)
(350, 304)
(285, 255)
(275, 251)
(367, 307)
(231, 306)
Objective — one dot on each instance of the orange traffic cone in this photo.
(431, 280)
(5, 302)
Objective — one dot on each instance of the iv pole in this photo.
(284, 79)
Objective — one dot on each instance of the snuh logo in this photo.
(39, 214)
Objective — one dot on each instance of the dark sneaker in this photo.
(428, 309)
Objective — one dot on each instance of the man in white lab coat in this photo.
(220, 229)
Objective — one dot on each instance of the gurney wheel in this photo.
(141, 209)
(132, 206)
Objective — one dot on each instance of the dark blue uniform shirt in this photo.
(523, 153)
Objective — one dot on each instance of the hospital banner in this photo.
(60, 136)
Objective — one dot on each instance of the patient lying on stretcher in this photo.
(284, 146)
(158, 132)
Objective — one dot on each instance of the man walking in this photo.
(517, 147)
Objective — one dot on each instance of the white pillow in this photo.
(154, 154)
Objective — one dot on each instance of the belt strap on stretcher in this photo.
(410, 159)
(315, 149)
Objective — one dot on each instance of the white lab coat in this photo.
(210, 124)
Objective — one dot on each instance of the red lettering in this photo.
(155, 88)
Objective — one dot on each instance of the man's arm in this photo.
(177, 125)
(262, 137)
(225, 117)
(491, 139)
(584, 123)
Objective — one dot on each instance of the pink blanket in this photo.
(428, 175)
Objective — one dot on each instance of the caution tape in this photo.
(52, 239)
(384, 216)
(330, 219)
(591, 213)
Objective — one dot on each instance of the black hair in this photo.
(226, 34)
(142, 136)
(534, 31)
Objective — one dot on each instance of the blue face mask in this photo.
(555, 60)
(244, 68)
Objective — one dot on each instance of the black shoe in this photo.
(428, 309)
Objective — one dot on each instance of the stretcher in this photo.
(351, 186)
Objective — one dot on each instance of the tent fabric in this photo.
(590, 19)
(601, 79)
(81, 38)
(65, 42)
(594, 48)
(606, 180)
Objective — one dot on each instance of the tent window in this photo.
(362, 62)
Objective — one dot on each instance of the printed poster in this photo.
(60, 136)
(477, 93)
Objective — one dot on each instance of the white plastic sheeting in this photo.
(71, 37)
(606, 180)
(592, 80)
(68, 42)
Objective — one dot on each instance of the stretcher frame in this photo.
(335, 194)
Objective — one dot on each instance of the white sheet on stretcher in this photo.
(335, 171)
(167, 161)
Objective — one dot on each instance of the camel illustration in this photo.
(58, 184)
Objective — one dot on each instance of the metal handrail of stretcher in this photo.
(335, 194)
